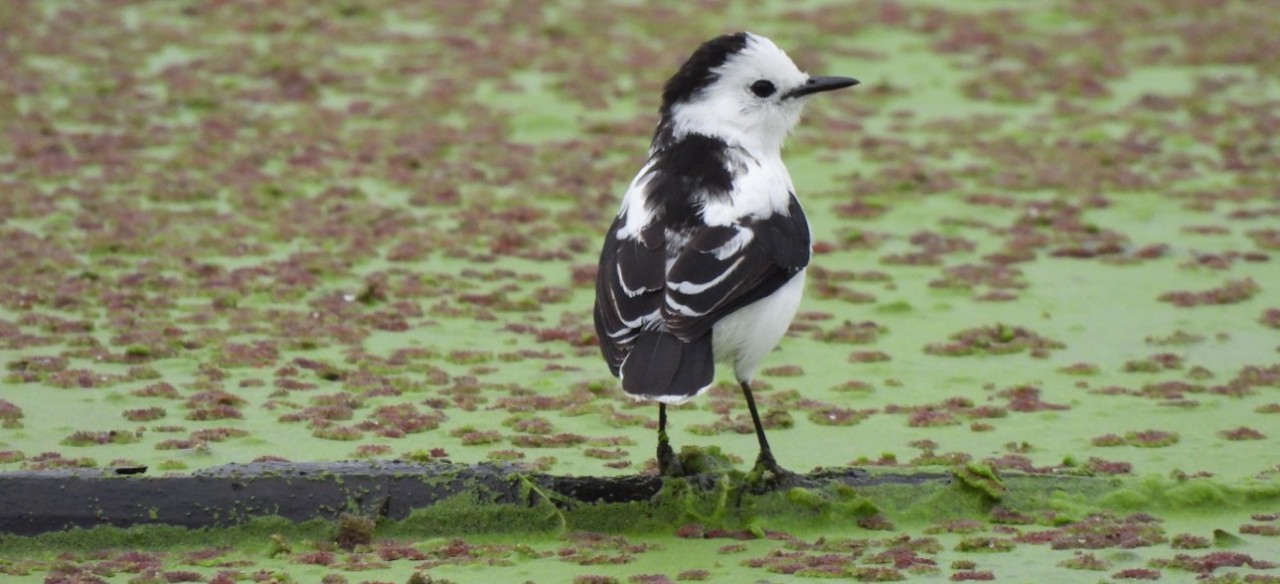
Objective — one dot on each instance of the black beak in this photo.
(818, 84)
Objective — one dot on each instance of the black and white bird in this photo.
(706, 259)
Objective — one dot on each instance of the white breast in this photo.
(743, 338)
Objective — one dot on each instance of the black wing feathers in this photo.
(710, 280)
(629, 294)
(786, 239)
(628, 288)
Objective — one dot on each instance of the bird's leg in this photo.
(764, 462)
(668, 464)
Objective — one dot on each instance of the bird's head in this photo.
(740, 88)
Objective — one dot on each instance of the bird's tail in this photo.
(664, 368)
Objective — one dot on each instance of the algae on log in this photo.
(46, 501)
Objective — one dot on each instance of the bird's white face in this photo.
(750, 103)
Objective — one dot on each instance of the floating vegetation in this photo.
(997, 339)
(1232, 292)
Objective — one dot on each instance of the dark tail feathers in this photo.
(661, 366)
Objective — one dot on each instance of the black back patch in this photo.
(686, 173)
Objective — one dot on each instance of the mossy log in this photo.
(47, 501)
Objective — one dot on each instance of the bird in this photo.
(705, 261)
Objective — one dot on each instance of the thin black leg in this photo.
(765, 460)
(668, 464)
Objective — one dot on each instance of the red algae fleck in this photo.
(998, 339)
(1137, 574)
(1269, 530)
(1232, 292)
(1085, 561)
(1242, 433)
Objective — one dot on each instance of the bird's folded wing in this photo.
(726, 267)
(628, 290)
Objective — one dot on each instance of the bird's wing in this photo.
(629, 287)
(726, 267)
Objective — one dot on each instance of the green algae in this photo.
(1161, 493)
(252, 537)
(981, 478)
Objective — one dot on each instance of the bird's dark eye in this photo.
(763, 88)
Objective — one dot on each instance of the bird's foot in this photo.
(769, 474)
(668, 462)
